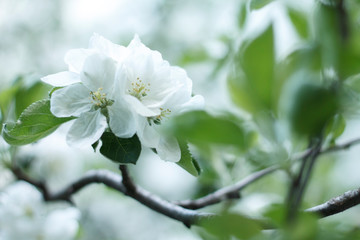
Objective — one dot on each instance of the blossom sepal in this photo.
(35, 122)
(119, 150)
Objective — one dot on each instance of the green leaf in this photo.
(277, 214)
(353, 83)
(241, 15)
(305, 228)
(34, 123)
(299, 20)
(349, 62)
(335, 127)
(231, 225)
(252, 81)
(258, 61)
(27, 95)
(328, 35)
(120, 150)
(187, 162)
(6, 98)
(241, 93)
(261, 159)
(257, 4)
(312, 107)
(200, 128)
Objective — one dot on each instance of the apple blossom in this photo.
(24, 215)
(92, 98)
(131, 88)
(155, 91)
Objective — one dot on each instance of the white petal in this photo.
(120, 84)
(169, 149)
(141, 65)
(108, 48)
(196, 103)
(61, 79)
(98, 72)
(87, 129)
(70, 101)
(136, 43)
(122, 121)
(75, 58)
(137, 48)
(147, 134)
(140, 108)
(179, 76)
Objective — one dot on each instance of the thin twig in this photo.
(299, 183)
(338, 204)
(226, 193)
(232, 192)
(343, 146)
(338, 147)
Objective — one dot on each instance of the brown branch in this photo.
(338, 204)
(226, 193)
(126, 179)
(105, 177)
(180, 210)
(20, 175)
(338, 147)
(343, 146)
(114, 181)
(232, 192)
(299, 183)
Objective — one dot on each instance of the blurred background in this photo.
(200, 36)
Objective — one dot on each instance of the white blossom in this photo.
(89, 94)
(24, 215)
(131, 88)
(155, 91)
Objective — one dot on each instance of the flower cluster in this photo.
(24, 215)
(130, 90)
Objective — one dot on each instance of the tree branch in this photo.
(126, 179)
(338, 204)
(343, 146)
(232, 192)
(181, 210)
(226, 193)
(114, 181)
(300, 182)
(338, 147)
(20, 175)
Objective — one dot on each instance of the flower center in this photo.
(28, 211)
(139, 89)
(157, 119)
(99, 99)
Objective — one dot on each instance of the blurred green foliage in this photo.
(202, 129)
(291, 100)
(312, 107)
(230, 225)
(252, 83)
